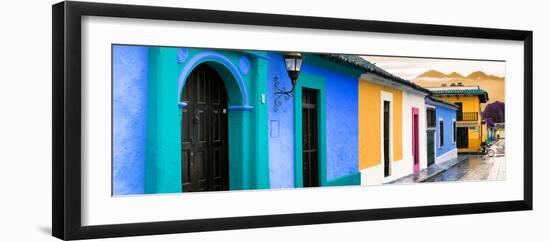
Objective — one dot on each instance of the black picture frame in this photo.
(66, 127)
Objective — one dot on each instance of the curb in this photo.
(442, 170)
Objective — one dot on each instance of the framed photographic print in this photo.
(169, 120)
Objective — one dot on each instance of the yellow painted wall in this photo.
(469, 104)
(474, 139)
(370, 122)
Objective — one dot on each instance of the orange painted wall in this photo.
(370, 121)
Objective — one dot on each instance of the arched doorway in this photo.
(204, 132)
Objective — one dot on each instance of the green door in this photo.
(431, 149)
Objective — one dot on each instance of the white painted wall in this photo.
(400, 168)
(372, 176)
(415, 100)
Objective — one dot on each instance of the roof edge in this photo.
(358, 62)
(436, 100)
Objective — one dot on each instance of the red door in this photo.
(415, 141)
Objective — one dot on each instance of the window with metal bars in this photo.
(441, 134)
(430, 117)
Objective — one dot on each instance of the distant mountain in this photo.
(432, 74)
(494, 85)
(477, 75)
(482, 75)
(455, 75)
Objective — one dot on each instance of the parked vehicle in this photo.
(490, 150)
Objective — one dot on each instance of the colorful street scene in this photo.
(193, 119)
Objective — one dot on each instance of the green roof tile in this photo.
(360, 63)
(479, 92)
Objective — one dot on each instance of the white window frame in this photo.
(454, 131)
(435, 113)
(386, 96)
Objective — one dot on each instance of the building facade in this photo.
(468, 100)
(191, 119)
(310, 144)
(441, 131)
(390, 127)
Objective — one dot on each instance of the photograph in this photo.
(173, 120)
(188, 119)
(168, 118)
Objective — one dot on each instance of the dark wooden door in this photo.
(205, 165)
(310, 153)
(387, 169)
(430, 147)
(462, 137)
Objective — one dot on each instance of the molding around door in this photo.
(386, 96)
(318, 83)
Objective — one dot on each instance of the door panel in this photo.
(310, 154)
(387, 167)
(430, 147)
(204, 159)
(462, 137)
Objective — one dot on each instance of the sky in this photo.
(410, 68)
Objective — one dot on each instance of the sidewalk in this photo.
(429, 172)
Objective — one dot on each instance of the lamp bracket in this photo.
(280, 92)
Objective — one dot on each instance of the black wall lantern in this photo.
(293, 64)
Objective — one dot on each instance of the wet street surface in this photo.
(468, 167)
(429, 172)
(475, 168)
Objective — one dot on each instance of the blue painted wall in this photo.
(341, 118)
(280, 127)
(341, 121)
(129, 118)
(447, 114)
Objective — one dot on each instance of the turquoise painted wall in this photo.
(163, 165)
(307, 80)
(243, 74)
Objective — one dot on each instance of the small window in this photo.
(430, 115)
(454, 131)
(441, 134)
